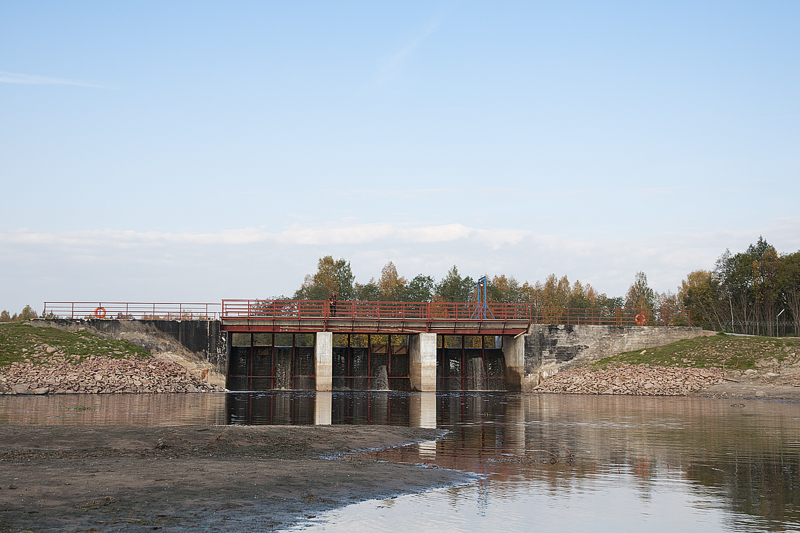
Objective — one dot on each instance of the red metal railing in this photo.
(447, 311)
(610, 317)
(365, 311)
(130, 310)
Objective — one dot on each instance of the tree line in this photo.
(756, 291)
(26, 314)
(336, 276)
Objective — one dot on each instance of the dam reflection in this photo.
(414, 409)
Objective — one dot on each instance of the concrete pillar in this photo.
(422, 362)
(322, 408)
(514, 355)
(323, 360)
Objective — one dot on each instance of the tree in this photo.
(5, 317)
(368, 292)
(504, 290)
(701, 295)
(332, 276)
(391, 285)
(454, 288)
(555, 293)
(790, 285)
(640, 295)
(420, 289)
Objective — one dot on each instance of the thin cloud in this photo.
(345, 234)
(29, 79)
(394, 63)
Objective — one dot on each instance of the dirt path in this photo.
(231, 478)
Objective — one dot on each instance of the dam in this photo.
(357, 345)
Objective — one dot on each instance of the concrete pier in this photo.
(323, 361)
(422, 361)
(514, 356)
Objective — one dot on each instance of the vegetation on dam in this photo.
(726, 352)
(21, 343)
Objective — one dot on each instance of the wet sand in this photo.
(198, 478)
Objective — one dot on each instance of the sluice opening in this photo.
(266, 361)
(470, 363)
(370, 362)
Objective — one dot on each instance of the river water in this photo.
(544, 462)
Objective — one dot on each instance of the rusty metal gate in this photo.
(266, 361)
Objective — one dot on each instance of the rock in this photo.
(41, 391)
(20, 389)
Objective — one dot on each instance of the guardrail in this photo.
(132, 310)
(447, 311)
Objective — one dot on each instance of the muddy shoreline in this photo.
(217, 478)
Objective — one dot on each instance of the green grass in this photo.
(19, 342)
(730, 352)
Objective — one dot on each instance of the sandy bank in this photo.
(223, 478)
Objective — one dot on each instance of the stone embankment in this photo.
(101, 375)
(642, 380)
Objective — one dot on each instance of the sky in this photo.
(195, 151)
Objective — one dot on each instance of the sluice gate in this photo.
(362, 362)
(470, 363)
(265, 361)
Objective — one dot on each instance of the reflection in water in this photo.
(416, 409)
(114, 409)
(599, 463)
(547, 462)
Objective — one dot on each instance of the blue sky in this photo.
(191, 151)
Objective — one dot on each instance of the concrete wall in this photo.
(551, 348)
(199, 345)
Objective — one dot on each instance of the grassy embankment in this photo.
(720, 351)
(23, 343)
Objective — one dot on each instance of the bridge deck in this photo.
(446, 318)
(374, 317)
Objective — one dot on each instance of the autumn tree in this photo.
(5, 316)
(391, 285)
(331, 276)
(504, 289)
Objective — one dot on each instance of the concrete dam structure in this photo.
(407, 346)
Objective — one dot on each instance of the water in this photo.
(545, 462)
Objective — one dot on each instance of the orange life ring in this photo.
(100, 312)
(640, 319)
